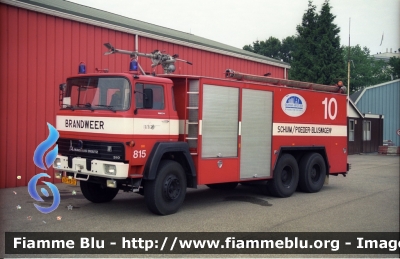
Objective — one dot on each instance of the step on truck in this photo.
(161, 134)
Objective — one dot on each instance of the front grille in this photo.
(108, 151)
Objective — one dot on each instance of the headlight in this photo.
(57, 163)
(110, 169)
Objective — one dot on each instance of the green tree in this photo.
(303, 63)
(256, 47)
(287, 49)
(249, 48)
(269, 48)
(328, 52)
(274, 48)
(318, 55)
(364, 69)
(394, 67)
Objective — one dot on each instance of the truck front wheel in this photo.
(97, 193)
(286, 177)
(166, 193)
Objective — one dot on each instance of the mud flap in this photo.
(326, 180)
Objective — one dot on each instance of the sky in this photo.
(238, 23)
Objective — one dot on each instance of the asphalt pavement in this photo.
(367, 200)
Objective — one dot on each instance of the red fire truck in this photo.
(158, 135)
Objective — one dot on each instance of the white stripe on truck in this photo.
(296, 129)
(124, 126)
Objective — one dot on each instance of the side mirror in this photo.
(61, 96)
(148, 98)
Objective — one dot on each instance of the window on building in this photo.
(351, 130)
(367, 130)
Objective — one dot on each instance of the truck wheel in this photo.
(222, 186)
(312, 172)
(166, 193)
(97, 193)
(286, 177)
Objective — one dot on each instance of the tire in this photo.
(222, 186)
(97, 193)
(166, 193)
(312, 172)
(286, 177)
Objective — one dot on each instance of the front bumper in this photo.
(98, 167)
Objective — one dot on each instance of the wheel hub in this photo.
(315, 174)
(171, 187)
(286, 176)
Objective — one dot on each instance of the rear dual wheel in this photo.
(309, 176)
(312, 172)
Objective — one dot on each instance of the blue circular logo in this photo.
(293, 105)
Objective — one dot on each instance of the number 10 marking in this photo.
(328, 108)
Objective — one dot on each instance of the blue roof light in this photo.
(133, 65)
(82, 68)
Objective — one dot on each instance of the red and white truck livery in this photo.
(158, 135)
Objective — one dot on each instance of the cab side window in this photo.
(158, 95)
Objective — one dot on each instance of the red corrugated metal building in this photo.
(42, 42)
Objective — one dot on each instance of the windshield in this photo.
(113, 93)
